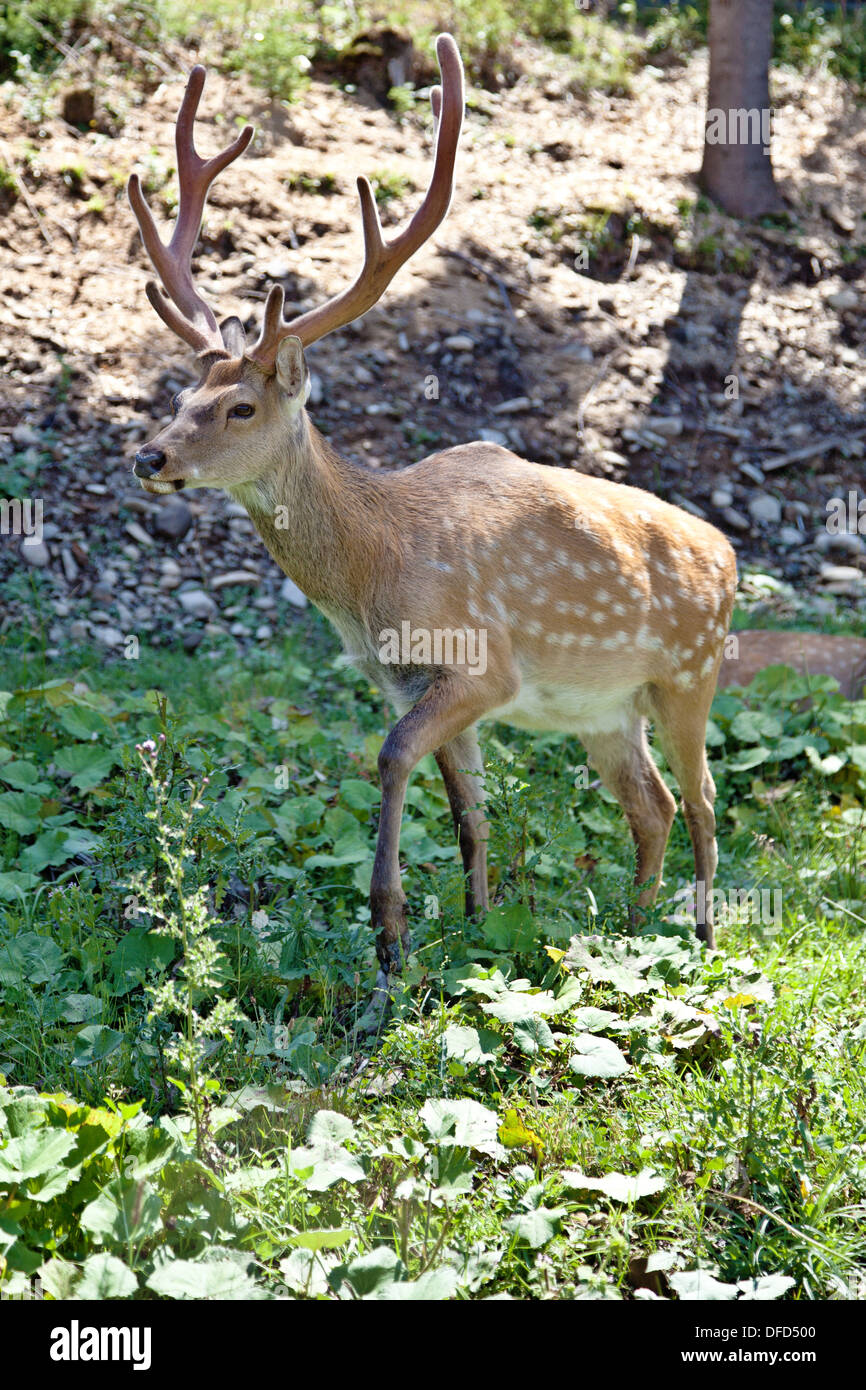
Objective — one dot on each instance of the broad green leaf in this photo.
(532, 1035)
(471, 1045)
(56, 846)
(618, 1187)
(211, 1279)
(79, 1008)
(597, 1057)
(87, 763)
(94, 1043)
(592, 1020)
(433, 1287)
(511, 1007)
(105, 1276)
(330, 1127)
(23, 776)
(766, 1287)
(536, 1228)
(34, 1155)
(124, 1211)
(464, 1122)
(20, 811)
(30, 957)
(373, 1269)
(321, 1240)
(696, 1285)
(510, 928)
(453, 1173)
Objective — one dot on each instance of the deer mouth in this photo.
(156, 485)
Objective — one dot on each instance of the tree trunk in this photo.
(737, 172)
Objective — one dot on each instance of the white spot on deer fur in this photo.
(586, 639)
(708, 665)
(684, 679)
(580, 610)
(667, 600)
(578, 570)
(601, 595)
(568, 639)
(534, 628)
(686, 654)
(619, 609)
(561, 606)
(700, 640)
(598, 617)
(562, 557)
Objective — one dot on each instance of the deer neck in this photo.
(325, 521)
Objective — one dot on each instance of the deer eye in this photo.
(242, 412)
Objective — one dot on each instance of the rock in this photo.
(752, 472)
(840, 217)
(460, 342)
(513, 406)
(841, 574)
(78, 630)
(494, 437)
(765, 509)
(173, 519)
(25, 436)
(109, 636)
(264, 631)
(317, 389)
(790, 535)
(138, 533)
(221, 581)
(70, 568)
(35, 553)
(848, 541)
(667, 425)
(292, 594)
(843, 300)
(688, 506)
(735, 519)
(722, 497)
(197, 603)
(79, 106)
(192, 638)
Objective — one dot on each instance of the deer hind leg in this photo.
(463, 772)
(624, 764)
(681, 723)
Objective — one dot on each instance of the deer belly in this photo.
(547, 708)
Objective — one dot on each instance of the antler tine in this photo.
(382, 259)
(187, 314)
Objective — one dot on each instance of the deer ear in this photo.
(291, 368)
(233, 336)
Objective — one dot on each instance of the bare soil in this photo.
(618, 365)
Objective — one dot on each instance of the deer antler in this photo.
(185, 312)
(382, 259)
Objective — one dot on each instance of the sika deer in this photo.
(600, 607)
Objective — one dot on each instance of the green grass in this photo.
(553, 1103)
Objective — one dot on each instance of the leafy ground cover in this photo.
(555, 1109)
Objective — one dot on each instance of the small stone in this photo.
(722, 497)
(264, 631)
(25, 435)
(840, 574)
(197, 603)
(790, 535)
(292, 594)
(752, 472)
(138, 533)
(513, 406)
(70, 568)
(735, 519)
(109, 636)
(173, 519)
(192, 638)
(277, 269)
(460, 342)
(78, 630)
(317, 389)
(79, 106)
(35, 553)
(847, 541)
(494, 437)
(668, 425)
(843, 300)
(221, 581)
(765, 509)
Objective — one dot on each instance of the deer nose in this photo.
(148, 462)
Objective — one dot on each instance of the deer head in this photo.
(248, 405)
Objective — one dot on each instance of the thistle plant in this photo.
(190, 995)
